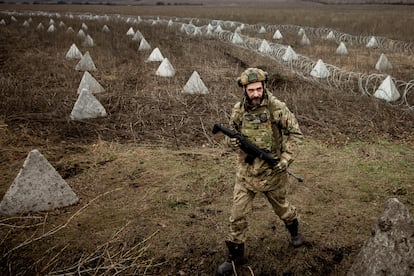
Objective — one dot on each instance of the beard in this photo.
(256, 101)
(252, 102)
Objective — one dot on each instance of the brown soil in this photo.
(154, 183)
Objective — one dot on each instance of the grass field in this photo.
(154, 184)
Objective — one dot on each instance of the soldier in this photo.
(270, 125)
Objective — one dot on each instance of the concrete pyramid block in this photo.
(144, 45)
(289, 54)
(130, 31)
(218, 29)
(301, 31)
(236, 39)
(188, 28)
(85, 63)
(84, 27)
(40, 26)
(137, 36)
(264, 47)
(372, 43)
(51, 21)
(389, 249)
(70, 30)
(262, 30)
(387, 90)
(209, 32)
(81, 34)
(73, 52)
(51, 29)
(165, 69)
(155, 55)
(383, 63)
(37, 187)
(90, 83)
(320, 70)
(183, 28)
(304, 40)
(277, 35)
(26, 24)
(61, 24)
(87, 107)
(330, 36)
(197, 32)
(342, 50)
(88, 41)
(195, 85)
(105, 29)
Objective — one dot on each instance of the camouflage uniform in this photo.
(274, 128)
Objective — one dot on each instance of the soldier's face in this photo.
(255, 92)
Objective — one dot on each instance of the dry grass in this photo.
(381, 20)
(178, 194)
(155, 184)
(143, 107)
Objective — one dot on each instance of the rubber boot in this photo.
(293, 228)
(236, 257)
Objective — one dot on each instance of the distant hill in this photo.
(352, 2)
(206, 2)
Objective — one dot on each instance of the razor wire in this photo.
(321, 32)
(338, 78)
(337, 36)
(366, 84)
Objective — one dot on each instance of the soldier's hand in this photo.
(281, 166)
(234, 142)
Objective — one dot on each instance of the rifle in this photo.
(250, 149)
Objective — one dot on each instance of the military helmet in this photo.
(251, 75)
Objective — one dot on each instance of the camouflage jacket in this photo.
(285, 131)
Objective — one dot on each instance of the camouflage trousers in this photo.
(249, 181)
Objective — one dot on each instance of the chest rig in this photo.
(257, 127)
